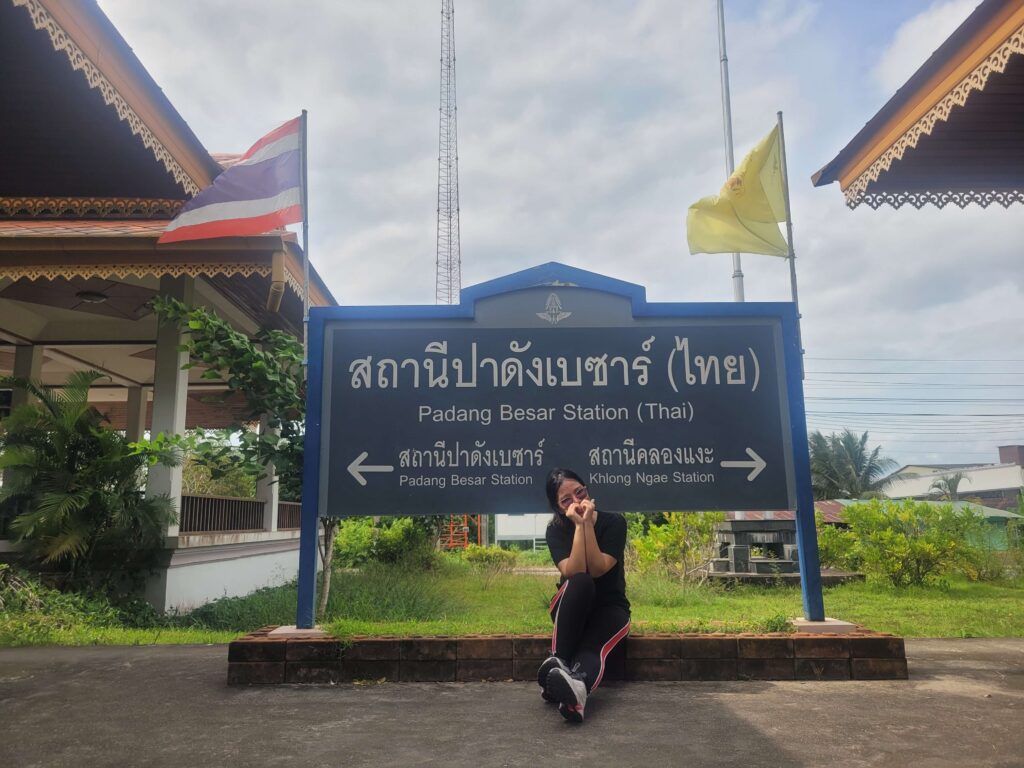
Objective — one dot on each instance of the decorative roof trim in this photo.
(138, 270)
(996, 61)
(90, 207)
(123, 271)
(961, 199)
(62, 42)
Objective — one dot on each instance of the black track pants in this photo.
(585, 633)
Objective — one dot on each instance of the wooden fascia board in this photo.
(319, 295)
(958, 66)
(75, 19)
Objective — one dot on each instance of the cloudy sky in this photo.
(585, 131)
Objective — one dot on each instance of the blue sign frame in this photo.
(551, 275)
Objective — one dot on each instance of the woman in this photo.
(590, 610)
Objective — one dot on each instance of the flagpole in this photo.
(789, 238)
(723, 58)
(305, 252)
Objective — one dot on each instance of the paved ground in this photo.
(169, 706)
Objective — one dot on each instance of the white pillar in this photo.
(138, 404)
(269, 490)
(28, 364)
(170, 393)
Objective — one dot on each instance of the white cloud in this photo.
(585, 131)
(916, 39)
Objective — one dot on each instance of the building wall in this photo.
(197, 575)
(983, 482)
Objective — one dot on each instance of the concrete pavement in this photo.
(170, 706)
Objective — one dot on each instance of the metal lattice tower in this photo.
(449, 258)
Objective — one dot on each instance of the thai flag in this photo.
(259, 193)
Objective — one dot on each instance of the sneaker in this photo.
(550, 663)
(569, 691)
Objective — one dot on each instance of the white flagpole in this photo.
(789, 238)
(723, 58)
(305, 251)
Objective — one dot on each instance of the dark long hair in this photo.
(555, 479)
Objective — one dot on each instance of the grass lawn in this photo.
(473, 603)
(459, 599)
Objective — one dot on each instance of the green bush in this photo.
(491, 558)
(34, 614)
(684, 544)
(353, 543)
(983, 563)
(76, 487)
(837, 547)
(390, 540)
(913, 542)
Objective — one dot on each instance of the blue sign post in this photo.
(454, 409)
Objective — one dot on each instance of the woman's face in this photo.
(570, 492)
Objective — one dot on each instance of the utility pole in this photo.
(723, 58)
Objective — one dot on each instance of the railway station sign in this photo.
(456, 409)
(442, 411)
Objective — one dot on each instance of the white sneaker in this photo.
(569, 691)
(550, 663)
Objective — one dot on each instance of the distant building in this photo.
(522, 531)
(994, 485)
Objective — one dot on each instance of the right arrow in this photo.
(754, 466)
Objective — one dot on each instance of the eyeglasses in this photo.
(579, 494)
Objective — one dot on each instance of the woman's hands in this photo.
(582, 512)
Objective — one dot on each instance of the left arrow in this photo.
(357, 468)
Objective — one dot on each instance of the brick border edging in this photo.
(258, 659)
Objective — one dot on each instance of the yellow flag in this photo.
(743, 217)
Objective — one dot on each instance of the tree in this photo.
(946, 487)
(267, 371)
(842, 467)
(76, 488)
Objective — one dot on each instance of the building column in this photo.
(28, 364)
(268, 489)
(170, 393)
(138, 405)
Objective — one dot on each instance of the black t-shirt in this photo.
(610, 532)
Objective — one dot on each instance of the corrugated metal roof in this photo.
(833, 511)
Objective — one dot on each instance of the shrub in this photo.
(837, 547)
(401, 540)
(777, 622)
(34, 614)
(489, 561)
(77, 486)
(353, 543)
(684, 544)
(983, 563)
(360, 540)
(491, 558)
(198, 479)
(913, 542)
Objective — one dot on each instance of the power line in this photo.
(923, 359)
(925, 414)
(916, 373)
(864, 382)
(866, 399)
